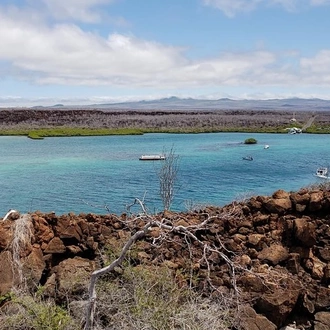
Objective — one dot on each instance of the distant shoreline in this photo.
(40, 123)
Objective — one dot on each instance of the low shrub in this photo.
(250, 141)
(27, 313)
(151, 298)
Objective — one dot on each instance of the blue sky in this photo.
(104, 51)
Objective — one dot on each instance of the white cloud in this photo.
(320, 2)
(316, 69)
(82, 10)
(289, 5)
(232, 7)
(66, 55)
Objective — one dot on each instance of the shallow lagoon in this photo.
(83, 174)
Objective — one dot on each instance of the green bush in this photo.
(152, 297)
(250, 141)
(27, 313)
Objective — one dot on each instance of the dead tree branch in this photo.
(188, 234)
(95, 275)
(167, 178)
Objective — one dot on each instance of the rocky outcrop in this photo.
(279, 246)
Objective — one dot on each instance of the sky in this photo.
(107, 51)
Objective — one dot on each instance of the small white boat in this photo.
(322, 172)
(294, 130)
(152, 157)
(266, 146)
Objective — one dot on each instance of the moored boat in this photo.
(322, 172)
(247, 158)
(152, 157)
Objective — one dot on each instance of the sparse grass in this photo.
(142, 297)
(27, 313)
(69, 131)
(14, 132)
(39, 134)
(150, 298)
(324, 129)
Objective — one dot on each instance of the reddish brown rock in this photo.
(250, 282)
(300, 198)
(44, 230)
(322, 321)
(71, 275)
(6, 234)
(83, 226)
(254, 204)
(315, 202)
(300, 208)
(277, 306)
(256, 240)
(281, 194)
(55, 246)
(6, 272)
(74, 249)
(106, 231)
(293, 263)
(304, 232)
(274, 254)
(326, 276)
(322, 298)
(67, 227)
(279, 205)
(260, 219)
(250, 320)
(303, 252)
(34, 266)
(317, 269)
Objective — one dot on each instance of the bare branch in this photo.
(95, 275)
(167, 178)
(189, 235)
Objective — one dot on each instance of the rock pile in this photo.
(278, 249)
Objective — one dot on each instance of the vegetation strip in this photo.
(38, 124)
(70, 132)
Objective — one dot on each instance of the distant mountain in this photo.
(59, 105)
(175, 103)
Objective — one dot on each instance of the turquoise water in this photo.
(85, 174)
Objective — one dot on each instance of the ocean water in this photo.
(97, 174)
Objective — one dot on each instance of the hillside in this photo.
(23, 120)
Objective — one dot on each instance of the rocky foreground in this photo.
(271, 252)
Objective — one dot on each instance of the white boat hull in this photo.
(322, 176)
(322, 173)
(152, 157)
